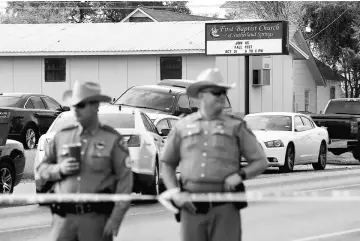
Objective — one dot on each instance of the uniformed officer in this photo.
(104, 168)
(208, 146)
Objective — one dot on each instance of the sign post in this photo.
(247, 39)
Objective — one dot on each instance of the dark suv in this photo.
(167, 97)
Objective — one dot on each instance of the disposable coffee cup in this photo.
(75, 151)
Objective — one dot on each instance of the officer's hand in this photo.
(232, 181)
(182, 201)
(69, 166)
(111, 229)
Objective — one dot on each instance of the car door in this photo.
(53, 107)
(300, 139)
(148, 147)
(39, 112)
(313, 143)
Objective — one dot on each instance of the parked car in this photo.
(139, 132)
(341, 117)
(12, 161)
(290, 139)
(167, 97)
(30, 115)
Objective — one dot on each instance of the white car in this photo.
(142, 138)
(12, 165)
(290, 139)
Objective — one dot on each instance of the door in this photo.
(54, 108)
(300, 139)
(150, 148)
(313, 143)
(42, 116)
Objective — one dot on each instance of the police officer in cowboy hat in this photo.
(104, 167)
(209, 145)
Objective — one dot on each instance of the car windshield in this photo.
(343, 107)
(269, 122)
(115, 120)
(8, 101)
(147, 99)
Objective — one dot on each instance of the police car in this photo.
(142, 137)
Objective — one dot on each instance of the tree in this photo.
(210, 15)
(267, 10)
(335, 39)
(81, 12)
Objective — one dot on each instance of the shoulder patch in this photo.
(69, 127)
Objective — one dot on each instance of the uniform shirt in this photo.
(105, 163)
(209, 150)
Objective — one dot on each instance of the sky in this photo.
(197, 7)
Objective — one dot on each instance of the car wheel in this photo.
(322, 159)
(29, 137)
(289, 160)
(6, 178)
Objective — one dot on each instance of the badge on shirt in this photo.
(100, 145)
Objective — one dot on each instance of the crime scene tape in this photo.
(282, 196)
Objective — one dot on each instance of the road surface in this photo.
(280, 221)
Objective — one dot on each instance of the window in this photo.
(170, 68)
(184, 101)
(307, 100)
(55, 70)
(307, 122)
(163, 124)
(173, 122)
(151, 124)
(148, 123)
(269, 122)
(194, 104)
(298, 121)
(29, 105)
(8, 101)
(37, 102)
(52, 105)
(332, 92)
(147, 98)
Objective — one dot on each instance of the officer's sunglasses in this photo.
(82, 105)
(216, 93)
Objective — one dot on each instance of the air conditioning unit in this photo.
(261, 77)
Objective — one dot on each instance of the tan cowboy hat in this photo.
(208, 78)
(87, 91)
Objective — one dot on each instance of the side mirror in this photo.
(185, 110)
(65, 108)
(113, 100)
(165, 132)
(300, 128)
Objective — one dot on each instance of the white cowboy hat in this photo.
(87, 91)
(208, 78)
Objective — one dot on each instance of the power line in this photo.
(327, 25)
